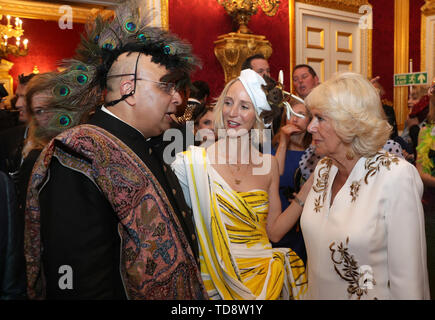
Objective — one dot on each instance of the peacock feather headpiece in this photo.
(130, 30)
(77, 91)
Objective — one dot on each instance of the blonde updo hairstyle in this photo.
(354, 105)
(218, 114)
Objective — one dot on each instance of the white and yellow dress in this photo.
(237, 259)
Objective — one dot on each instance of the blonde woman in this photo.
(363, 221)
(233, 191)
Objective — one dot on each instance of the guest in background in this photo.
(203, 118)
(258, 63)
(288, 147)
(12, 266)
(12, 140)
(418, 104)
(304, 79)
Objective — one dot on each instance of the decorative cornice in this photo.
(48, 11)
(428, 8)
(344, 5)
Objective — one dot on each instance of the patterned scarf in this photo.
(156, 259)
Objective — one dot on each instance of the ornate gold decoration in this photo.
(7, 32)
(401, 58)
(374, 164)
(322, 183)
(187, 115)
(354, 190)
(47, 11)
(164, 14)
(350, 272)
(5, 77)
(428, 8)
(232, 49)
(242, 10)
(348, 5)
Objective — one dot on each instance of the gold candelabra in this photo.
(7, 33)
(242, 10)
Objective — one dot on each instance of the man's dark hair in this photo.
(247, 63)
(24, 79)
(199, 90)
(310, 69)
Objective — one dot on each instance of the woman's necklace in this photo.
(240, 174)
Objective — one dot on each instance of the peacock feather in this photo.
(77, 90)
(73, 97)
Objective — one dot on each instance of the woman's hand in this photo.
(286, 132)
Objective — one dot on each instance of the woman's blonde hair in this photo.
(354, 105)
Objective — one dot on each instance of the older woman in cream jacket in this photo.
(363, 221)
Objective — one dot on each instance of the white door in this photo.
(330, 41)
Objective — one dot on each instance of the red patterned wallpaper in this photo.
(48, 44)
(200, 22)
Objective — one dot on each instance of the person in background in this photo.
(363, 211)
(391, 117)
(418, 104)
(426, 167)
(304, 79)
(198, 93)
(258, 63)
(203, 118)
(202, 91)
(12, 267)
(288, 147)
(12, 140)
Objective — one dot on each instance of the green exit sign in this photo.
(410, 79)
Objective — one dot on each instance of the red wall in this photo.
(200, 22)
(48, 44)
(383, 43)
(383, 40)
(415, 33)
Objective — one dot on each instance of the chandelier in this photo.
(7, 33)
(242, 10)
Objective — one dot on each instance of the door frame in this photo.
(300, 9)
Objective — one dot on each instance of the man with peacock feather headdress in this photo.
(105, 215)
